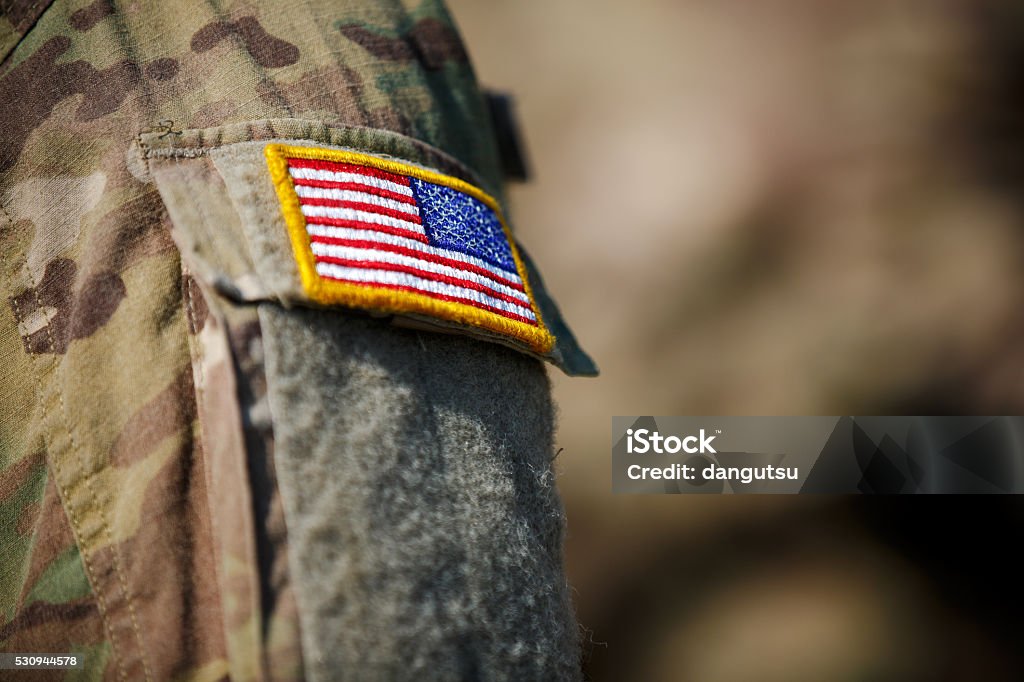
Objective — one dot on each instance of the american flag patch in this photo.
(382, 235)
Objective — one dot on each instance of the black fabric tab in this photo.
(506, 128)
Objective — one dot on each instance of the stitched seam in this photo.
(319, 132)
(86, 481)
(121, 578)
(144, 150)
(191, 314)
(196, 351)
(202, 377)
(68, 508)
(176, 152)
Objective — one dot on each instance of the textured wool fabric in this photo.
(424, 524)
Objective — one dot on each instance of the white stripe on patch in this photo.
(351, 195)
(330, 231)
(372, 255)
(361, 216)
(331, 176)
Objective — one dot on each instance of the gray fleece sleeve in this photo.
(424, 525)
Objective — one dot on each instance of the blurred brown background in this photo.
(777, 207)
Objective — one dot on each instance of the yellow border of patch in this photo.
(330, 292)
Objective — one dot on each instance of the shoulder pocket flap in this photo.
(305, 214)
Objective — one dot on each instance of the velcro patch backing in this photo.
(377, 234)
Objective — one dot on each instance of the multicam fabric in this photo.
(140, 523)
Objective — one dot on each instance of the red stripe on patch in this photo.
(356, 187)
(441, 260)
(372, 227)
(360, 206)
(334, 167)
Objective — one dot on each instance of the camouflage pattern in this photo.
(139, 522)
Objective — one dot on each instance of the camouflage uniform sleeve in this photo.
(200, 477)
